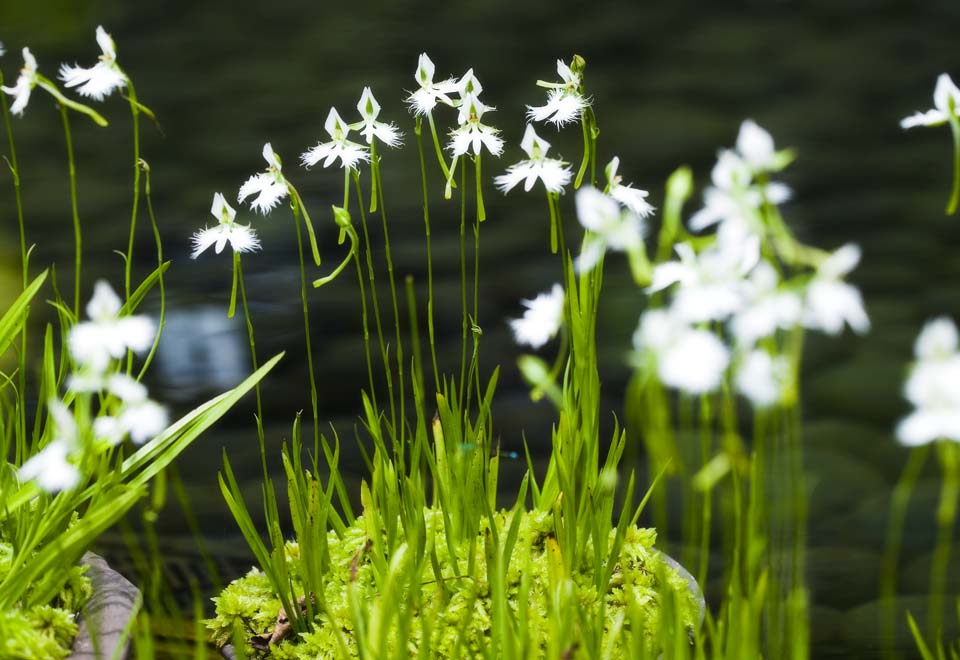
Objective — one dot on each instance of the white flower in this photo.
(553, 172)
(24, 85)
(425, 99)
(611, 227)
(830, 303)
(468, 88)
(565, 101)
(766, 308)
(138, 416)
(93, 343)
(269, 186)
(763, 378)
(932, 387)
(756, 147)
(242, 238)
(49, 467)
(686, 358)
(711, 283)
(541, 320)
(3, 51)
(349, 153)
(946, 100)
(633, 198)
(103, 77)
(369, 127)
(472, 135)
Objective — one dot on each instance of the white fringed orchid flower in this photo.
(633, 198)
(830, 302)
(932, 387)
(369, 127)
(541, 320)
(338, 147)
(100, 80)
(946, 102)
(425, 99)
(26, 81)
(107, 335)
(472, 134)
(269, 187)
(553, 172)
(242, 238)
(686, 358)
(565, 101)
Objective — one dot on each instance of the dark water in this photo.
(671, 81)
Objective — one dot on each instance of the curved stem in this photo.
(447, 173)
(946, 519)
(295, 207)
(77, 240)
(135, 114)
(311, 236)
(955, 194)
(426, 225)
(160, 268)
(586, 150)
(253, 358)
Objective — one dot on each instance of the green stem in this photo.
(73, 208)
(253, 358)
(706, 448)
(426, 225)
(160, 268)
(311, 236)
(447, 173)
(955, 195)
(463, 287)
(295, 207)
(135, 114)
(375, 300)
(586, 150)
(946, 519)
(51, 89)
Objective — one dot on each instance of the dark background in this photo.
(671, 81)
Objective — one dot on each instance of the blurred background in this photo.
(671, 82)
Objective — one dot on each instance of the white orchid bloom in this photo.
(269, 186)
(611, 227)
(766, 307)
(138, 416)
(554, 173)
(946, 101)
(932, 387)
(26, 81)
(242, 238)
(542, 319)
(472, 134)
(100, 80)
(686, 358)
(49, 468)
(425, 99)
(565, 101)
(830, 302)
(633, 198)
(107, 335)
(338, 147)
(763, 378)
(369, 127)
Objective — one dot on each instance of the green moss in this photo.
(44, 632)
(458, 611)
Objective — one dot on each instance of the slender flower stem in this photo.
(955, 194)
(398, 350)
(946, 519)
(253, 358)
(160, 268)
(463, 286)
(73, 208)
(295, 207)
(586, 150)
(447, 172)
(706, 449)
(135, 115)
(418, 130)
(375, 300)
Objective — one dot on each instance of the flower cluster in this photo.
(730, 299)
(340, 147)
(932, 387)
(124, 410)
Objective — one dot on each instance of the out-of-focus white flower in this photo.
(350, 153)
(553, 172)
(633, 198)
(369, 127)
(49, 468)
(932, 387)
(425, 99)
(762, 378)
(541, 320)
(3, 51)
(946, 101)
(712, 283)
(766, 308)
(106, 335)
(611, 227)
(24, 85)
(269, 187)
(686, 358)
(472, 134)
(830, 302)
(138, 415)
(565, 101)
(756, 147)
(102, 78)
(242, 238)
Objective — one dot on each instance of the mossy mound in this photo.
(42, 632)
(454, 618)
